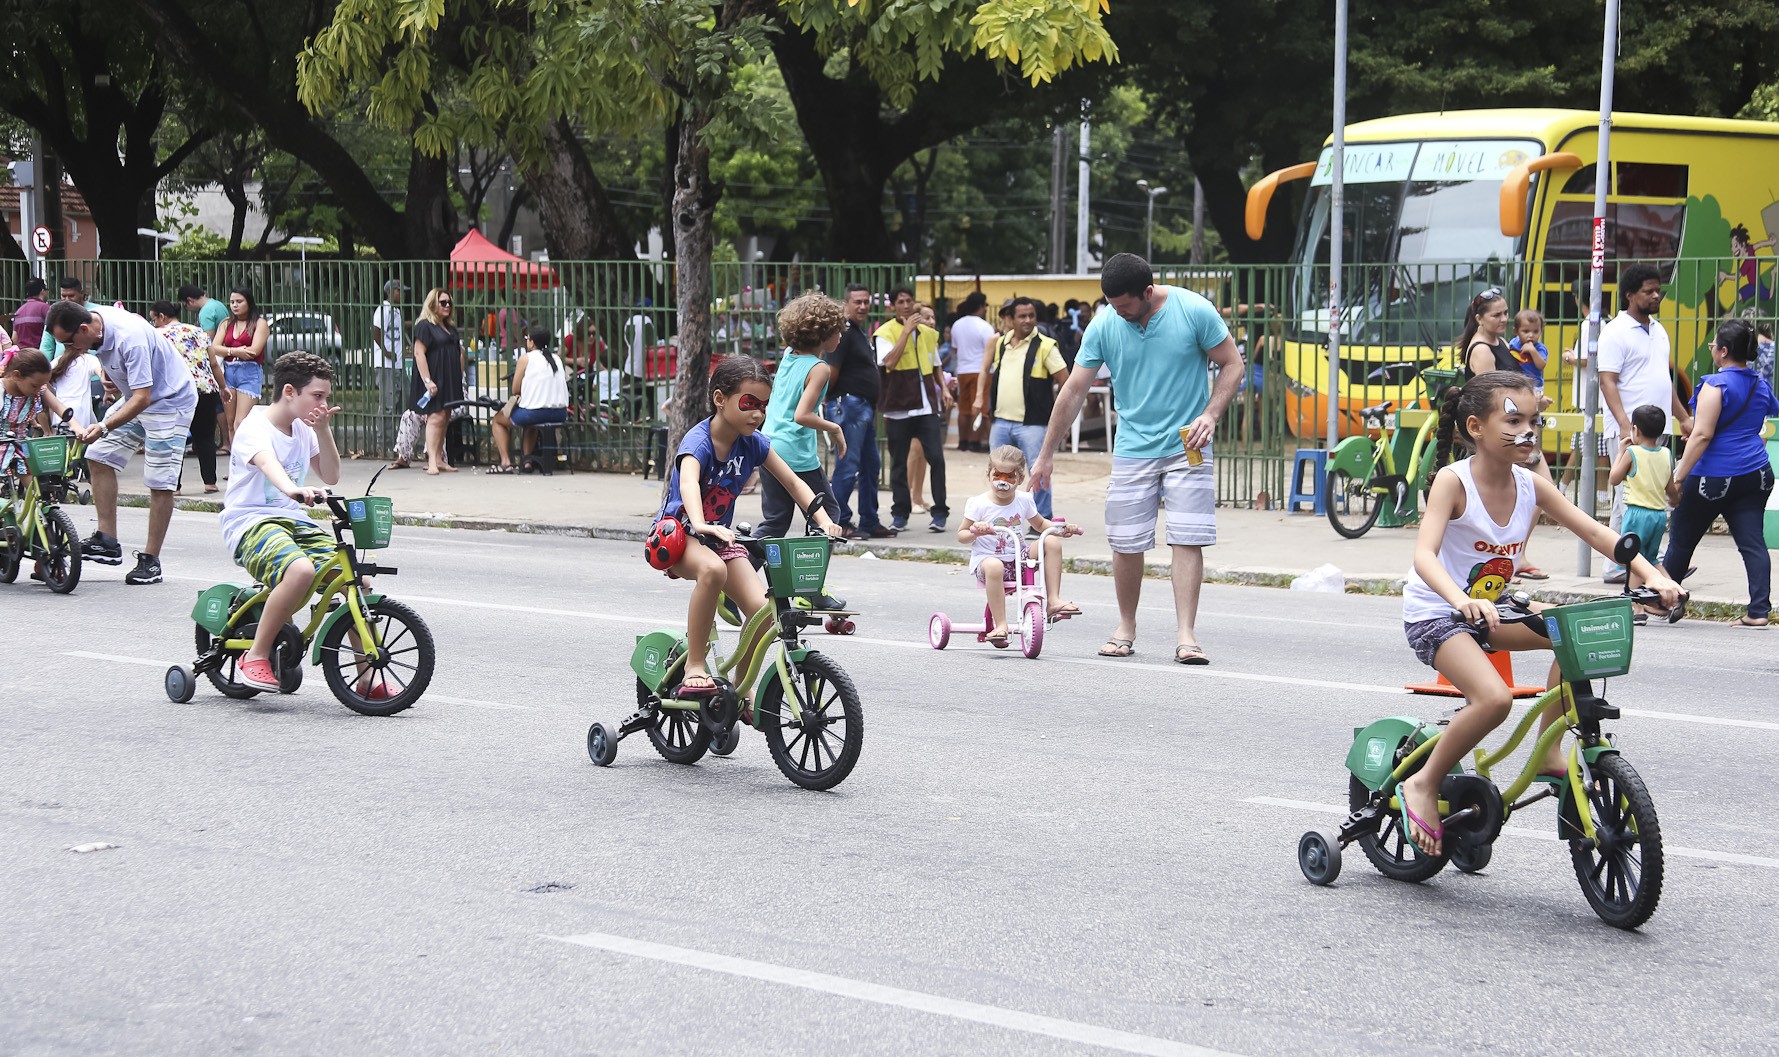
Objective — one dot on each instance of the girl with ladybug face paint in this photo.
(714, 461)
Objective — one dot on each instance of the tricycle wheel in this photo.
(939, 631)
(1620, 871)
(1031, 632)
(180, 684)
(726, 744)
(819, 751)
(1390, 849)
(1318, 856)
(602, 745)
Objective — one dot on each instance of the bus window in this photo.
(1641, 179)
(1639, 232)
(1581, 182)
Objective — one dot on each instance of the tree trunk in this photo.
(235, 190)
(1226, 202)
(694, 244)
(429, 218)
(521, 198)
(53, 218)
(577, 215)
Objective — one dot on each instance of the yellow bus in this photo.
(1439, 207)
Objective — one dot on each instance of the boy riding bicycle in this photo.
(264, 522)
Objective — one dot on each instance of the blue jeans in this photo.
(1741, 501)
(1028, 439)
(860, 465)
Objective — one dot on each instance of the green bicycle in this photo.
(1604, 812)
(376, 653)
(804, 703)
(33, 524)
(1362, 471)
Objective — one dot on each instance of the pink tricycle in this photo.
(1029, 614)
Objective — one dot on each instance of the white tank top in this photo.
(1476, 552)
(541, 387)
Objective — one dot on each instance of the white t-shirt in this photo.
(969, 336)
(388, 319)
(1479, 555)
(639, 331)
(1016, 515)
(1642, 360)
(251, 498)
(542, 387)
(75, 387)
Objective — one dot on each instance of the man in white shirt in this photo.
(386, 354)
(1636, 368)
(970, 335)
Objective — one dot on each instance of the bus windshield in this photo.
(1421, 231)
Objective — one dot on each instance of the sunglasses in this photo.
(750, 402)
(1488, 295)
(444, 302)
(1004, 475)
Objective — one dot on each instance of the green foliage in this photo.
(195, 244)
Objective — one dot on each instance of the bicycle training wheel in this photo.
(1353, 505)
(1389, 849)
(1621, 871)
(820, 751)
(61, 568)
(392, 682)
(677, 734)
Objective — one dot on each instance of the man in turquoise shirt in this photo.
(212, 313)
(1159, 343)
(72, 290)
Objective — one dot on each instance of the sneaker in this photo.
(898, 524)
(938, 524)
(147, 571)
(878, 532)
(1616, 576)
(827, 601)
(105, 550)
(256, 673)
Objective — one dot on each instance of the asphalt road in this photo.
(1061, 856)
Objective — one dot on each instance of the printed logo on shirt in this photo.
(1506, 550)
(1488, 580)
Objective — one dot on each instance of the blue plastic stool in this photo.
(1317, 459)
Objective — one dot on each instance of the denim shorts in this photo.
(1425, 637)
(247, 377)
(532, 417)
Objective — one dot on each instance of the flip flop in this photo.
(1190, 653)
(1533, 572)
(1068, 609)
(696, 691)
(1750, 622)
(1410, 819)
(1119, 648)
(999, 642)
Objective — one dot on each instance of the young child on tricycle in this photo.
(1473, 533)
(994, 558)
(264, 518)
(714, 461)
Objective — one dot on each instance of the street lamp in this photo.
(158, 237)
(302, 243)
(1149, 225)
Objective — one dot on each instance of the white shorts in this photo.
(160, 437)
(1140, 488)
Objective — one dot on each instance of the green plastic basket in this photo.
(1592, 640)
(372, 519)
(1438, 380)
(46, 456)
(797, 565)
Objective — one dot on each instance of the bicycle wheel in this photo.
(61, 568)
(1353, 506)
(227, 678)
(677, 734)
(831, 730)
(1389, 849)
(1621, 871)
(393, 682)
(11, 546)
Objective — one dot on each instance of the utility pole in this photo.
(1198, 222)
(1337, 200)
(1058, 223)
(1584, 555)
(1084, 174)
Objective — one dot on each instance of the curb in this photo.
(1279, 579)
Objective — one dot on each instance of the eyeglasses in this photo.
(1004, 475)
(444, 302)
(750, 402)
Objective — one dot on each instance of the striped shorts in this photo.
(271, 546)
(1139, 490)
(158, 435)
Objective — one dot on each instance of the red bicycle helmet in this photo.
(666, 544)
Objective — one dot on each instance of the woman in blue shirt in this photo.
(1724, 471)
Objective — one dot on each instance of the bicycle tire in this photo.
(817, 675)
(64, 552)
(1629, 835)
(337, 659)
(677, 734)
(1389, 849)
(1343, 494)
(223, 679)
(10, 550)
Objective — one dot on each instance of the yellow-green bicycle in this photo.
(33, 525)
(376, 653)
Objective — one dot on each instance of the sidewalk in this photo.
(1257, 547)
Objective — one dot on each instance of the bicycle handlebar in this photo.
(1516, 608)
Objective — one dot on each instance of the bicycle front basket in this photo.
(372, 519)
(797, 565)
(46, 456)
(1438, 380)
(1592, 640)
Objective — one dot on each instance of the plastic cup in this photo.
(1194, 457)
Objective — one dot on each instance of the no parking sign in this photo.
(41, 240)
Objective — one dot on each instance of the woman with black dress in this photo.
(439, 366)
(1483, 348)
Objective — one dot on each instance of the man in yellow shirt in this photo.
(915, 403)
(1021, 373)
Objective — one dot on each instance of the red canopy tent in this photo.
(477, 264)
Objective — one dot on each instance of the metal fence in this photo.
(614, 323)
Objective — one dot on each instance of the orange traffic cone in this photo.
(1503, 663)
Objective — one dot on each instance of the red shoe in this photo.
(380, 692)
(258, 674)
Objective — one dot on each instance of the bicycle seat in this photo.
(1378, 410)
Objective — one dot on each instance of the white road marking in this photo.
(916, 1001)
(116, 658)
(472, 702)
(1752, 724)
(434, 698)
(1672, 850)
